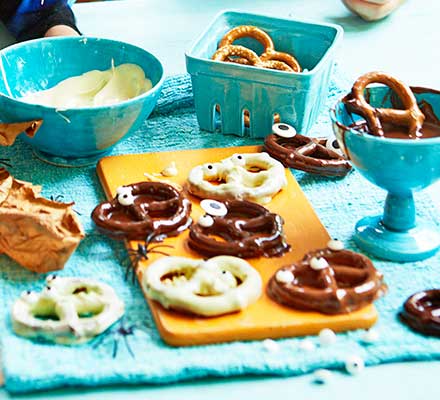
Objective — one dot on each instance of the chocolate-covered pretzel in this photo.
(306, 154)
(328, 281)
(421, 312)
(246, 230)
(141, 209)
(410, 117)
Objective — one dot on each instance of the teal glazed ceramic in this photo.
(296, 97)
(400, 166)
(73, 136)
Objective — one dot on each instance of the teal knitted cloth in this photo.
(142, 357)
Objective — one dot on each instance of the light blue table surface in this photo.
(406, 44)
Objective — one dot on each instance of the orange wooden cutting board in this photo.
(265, 318)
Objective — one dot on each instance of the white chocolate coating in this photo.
(206, 288)
(94, 88)
(248, 176)
(68, 311)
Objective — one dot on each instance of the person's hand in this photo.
(372, 10)
(61, 30)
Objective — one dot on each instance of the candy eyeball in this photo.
(210, 170)
(125, 196)
(318, 264)
(327, 337)
(50, 278)
(213, 207)
(283, 130)
(238, 159)
(370, 336)
(284, 276)
(307, 345)
(322, 376)
(354, 365)
(271, 346)
(206, 221)
(333, 145)
(335, 245)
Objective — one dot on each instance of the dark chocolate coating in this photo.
(421, 312)
(248, 230)
(158, 208)
(306, 154)
(349, 283)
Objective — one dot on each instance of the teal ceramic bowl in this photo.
(236, 89)
(77, 136)
(399, 166)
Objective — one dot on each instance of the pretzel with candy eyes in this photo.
(328, 281)
(144, 208)
(68, 311)
(313, 155)
(246, 230)
(219, 285)
(411, 116)
(248, 176)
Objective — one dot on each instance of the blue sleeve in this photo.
(34, 17)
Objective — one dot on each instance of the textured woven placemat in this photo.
(29, 366)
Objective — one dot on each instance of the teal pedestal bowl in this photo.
(80, 136)
(400, 166)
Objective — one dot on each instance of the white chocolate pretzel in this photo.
(220, 285)
(68, 311)
(249, 176)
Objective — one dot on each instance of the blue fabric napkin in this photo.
(143, 357)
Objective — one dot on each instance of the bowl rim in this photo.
(336, 41)
(385, 140)
(84, 39)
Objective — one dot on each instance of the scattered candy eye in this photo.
(370, 336)
(50, 277)
(307, 345)
(332, 144)
(284, 276)
(283, 130)
(322, 376)
(327, 337)
(354, 365)
(205, 221)
(213, 207)
(238, 159)
(335, 245)
(318, 263)
(271, 345)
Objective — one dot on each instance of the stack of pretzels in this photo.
(270, 58)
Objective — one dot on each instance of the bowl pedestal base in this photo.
(70, 162)
(417, 243)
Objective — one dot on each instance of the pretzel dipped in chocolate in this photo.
(317, 156)
(421, 312)
(141, 209)
(248, 57)
(238, 228)
(328, 281)
(410, 116)
(248, 176)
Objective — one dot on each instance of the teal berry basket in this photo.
(224, 92)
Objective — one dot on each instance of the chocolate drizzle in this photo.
(247, 230)
(348, 283)
(157, 208)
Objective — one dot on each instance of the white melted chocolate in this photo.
(94, 88)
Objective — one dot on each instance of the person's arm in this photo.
(57, 20)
